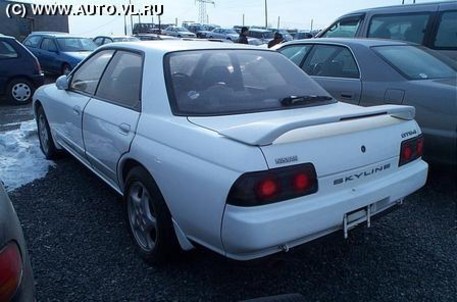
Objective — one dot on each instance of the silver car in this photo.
(16, 277)
(224, 33)
(179, 32)
(373, 71)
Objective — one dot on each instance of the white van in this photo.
(431, 24)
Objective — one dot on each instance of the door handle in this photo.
(77, 110)
(125, 128)
(348, 96)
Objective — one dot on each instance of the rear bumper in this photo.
(249, 233)
(37, 80)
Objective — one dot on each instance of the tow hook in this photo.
(284, 248)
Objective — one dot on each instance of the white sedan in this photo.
(227, 146)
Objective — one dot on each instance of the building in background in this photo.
(21, 27)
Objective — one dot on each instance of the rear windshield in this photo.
(417, 62)
(219, 82)
(76, 44)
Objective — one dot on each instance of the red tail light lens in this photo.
(10, 271)
(275, 185)
(411, 149)
(267, 188)
(301, 182)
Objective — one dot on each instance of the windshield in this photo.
(417, 62)
(219, 82)
(76, 44)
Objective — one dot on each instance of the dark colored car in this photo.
(16, 277)
(58, 53)
(20, 71)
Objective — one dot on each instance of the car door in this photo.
(335, 69)
(65, 111)
(111, 117)
(49, 55)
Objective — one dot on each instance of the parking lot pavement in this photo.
(80, 250)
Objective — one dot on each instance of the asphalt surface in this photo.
(81, 251)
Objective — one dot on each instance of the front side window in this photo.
(405, 27)
(331, 61)
(446, 36)
(7, 51)
(345, 28)
(417, 63)
(48, 45)
(295, 53)
(85, 78)
(121, 83)
(219, 82)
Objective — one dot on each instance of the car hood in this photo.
(263, 128)
(79, 55)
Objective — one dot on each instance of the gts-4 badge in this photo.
(285, 160)
(409, 133)
(360, 175)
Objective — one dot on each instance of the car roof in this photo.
(349, 41)
(400, 6)
(53, 34)
(167, 46)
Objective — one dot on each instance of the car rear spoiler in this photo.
(262, 134)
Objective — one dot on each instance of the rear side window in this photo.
(32, 41)
(7, 51)
(85, 79)
(446, 36)
(417, 63)
(405, 27)
(121, 83)
(346, 28)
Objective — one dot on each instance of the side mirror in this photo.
(62, 82)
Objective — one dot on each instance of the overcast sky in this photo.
(292, 13)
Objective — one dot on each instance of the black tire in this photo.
(20, 91)
(148, 218)
(44, 134)
(65, 69)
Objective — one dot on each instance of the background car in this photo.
(303, 35)
(153, 37)
(20, 71)
(431, 24)
(374, 71)
(101, 40)
(220, 143)
(58, 53)
(264, 35)
(224, 33)
(179, 32)
(16, 279)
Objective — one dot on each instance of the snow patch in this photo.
(21, 159)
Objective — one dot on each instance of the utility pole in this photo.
(266, 15)
(131, 17)
(202, 15)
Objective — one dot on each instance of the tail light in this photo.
(10, 271)
(38, 66)
(275, 185)
(411, 149)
